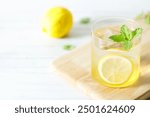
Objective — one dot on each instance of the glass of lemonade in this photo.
(116, 61)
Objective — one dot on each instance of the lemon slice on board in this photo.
(115, 69)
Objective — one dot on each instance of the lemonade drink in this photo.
(115, 64)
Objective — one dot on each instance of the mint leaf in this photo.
(117, 38)
(85, 20)
(68, 47)
(147, 19)
(125, 31)
(126, 36)
(127, 45)
(137, 32)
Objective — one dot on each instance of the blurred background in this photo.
(26, 53)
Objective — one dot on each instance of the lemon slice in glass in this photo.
(115, 69)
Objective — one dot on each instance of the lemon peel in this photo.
(57, 22)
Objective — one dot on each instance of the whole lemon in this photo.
(57, 22)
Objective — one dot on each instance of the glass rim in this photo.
(112, 17)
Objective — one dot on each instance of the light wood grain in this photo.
(75, 68)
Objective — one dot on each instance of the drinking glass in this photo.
(113, 65)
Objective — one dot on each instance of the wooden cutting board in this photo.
(75, 67)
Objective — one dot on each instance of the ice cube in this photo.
(108, 32)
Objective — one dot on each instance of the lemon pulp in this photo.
(115, 69)
(120, 83)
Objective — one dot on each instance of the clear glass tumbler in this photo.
(112, 64)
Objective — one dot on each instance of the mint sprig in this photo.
(126, 36)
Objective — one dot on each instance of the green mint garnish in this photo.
(68, 47)
(147, 19)
(127, 45)
(85, 20)
(137, 32)
(126, 33)
(126, 36)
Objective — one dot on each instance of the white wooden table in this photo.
(26, 53)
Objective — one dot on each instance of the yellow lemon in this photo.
(115, 69)
(57, 22)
